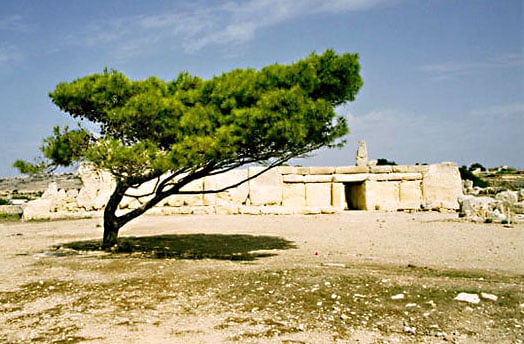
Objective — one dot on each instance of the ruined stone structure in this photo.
(282, 190)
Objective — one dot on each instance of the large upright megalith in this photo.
(362, 154)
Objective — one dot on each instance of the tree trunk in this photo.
(111, 228)
(112, 223)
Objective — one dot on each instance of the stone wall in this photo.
(282, 190)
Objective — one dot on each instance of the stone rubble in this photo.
(491, 204)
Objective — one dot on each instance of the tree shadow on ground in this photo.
(192, 246)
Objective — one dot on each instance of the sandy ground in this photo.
(272, 279)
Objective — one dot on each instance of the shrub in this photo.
(465, 173)
(3, 201)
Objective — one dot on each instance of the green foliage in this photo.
(466, 174)
(475, 166)
(384, 162)
(507, 170)
(3, 201)
(151, 126)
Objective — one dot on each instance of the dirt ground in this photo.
(354, 277)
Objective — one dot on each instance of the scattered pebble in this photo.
(398, 297)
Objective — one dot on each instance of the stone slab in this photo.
(318, 195)
(351, 169)
(395, 176)
(382, 195)
(267, 188)
(350, 178)
(294, 195)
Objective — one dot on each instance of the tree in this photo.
(179, 131)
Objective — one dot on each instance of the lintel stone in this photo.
(350, 178)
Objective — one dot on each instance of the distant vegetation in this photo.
(384, 162)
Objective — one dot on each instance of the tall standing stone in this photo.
(362, 154)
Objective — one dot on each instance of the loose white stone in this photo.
(398, 297)
(467, 297)
(488, 296)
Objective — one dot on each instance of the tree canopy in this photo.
(190, 128)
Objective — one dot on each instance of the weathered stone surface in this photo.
(442, 186)
(97, 187)
(468, 297)
(302, 170)
(350, 178)
(362, 154)
(508, 197)
(236, 195)
(395, 176)
(410, 195)
(318, 178)
(338, 196)
(382, 195)
(410, 168)
(294, 195)
(11, 209)
(381, 169)
(321, 170)
(287, 170)
(294, 178)
(471, 206)
(351, 169)
(318, 195)
(266, 189)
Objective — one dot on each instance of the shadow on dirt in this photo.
(192, 246)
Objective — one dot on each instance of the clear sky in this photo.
(443, 79)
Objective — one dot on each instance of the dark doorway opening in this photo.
(355, 195)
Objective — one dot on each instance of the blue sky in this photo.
(443, 79)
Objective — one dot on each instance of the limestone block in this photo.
(338, 196)
(237, 195)
(97, 187)
(294, 178)
(442, 186)
(318, 178)
(229, 209)
(303, 170)
(508, 197)
(382, 195)
(321, 170)
(39, 209)
(294, 195)
(410, 195)
(410, 168)
(381, 169)
(351, 169)
(286, 170)
(350, 178)
(395, 176)
(265, 189)
(318, 195)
